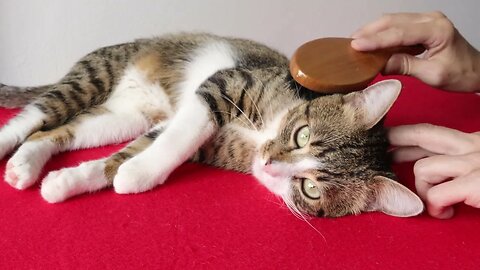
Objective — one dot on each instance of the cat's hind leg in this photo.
(129, 111)
(96, 127)
(93, 175)
(55, 105)
(20, 127)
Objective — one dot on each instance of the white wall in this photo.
(41, 39)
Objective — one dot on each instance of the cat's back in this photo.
(166, 57)
(247, 53)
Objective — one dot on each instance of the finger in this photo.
(405, 64)
(462, 189)
(405, 35)
(389, 20)
(435, 139)
(429, 71)
(437, 169)
(409, 153)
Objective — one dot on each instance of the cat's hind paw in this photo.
(20, 173)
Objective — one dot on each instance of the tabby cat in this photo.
(227, 102)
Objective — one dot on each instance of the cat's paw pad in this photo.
(54, 186)
(21, 174)
(134, 176)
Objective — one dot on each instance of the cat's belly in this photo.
(135, 93)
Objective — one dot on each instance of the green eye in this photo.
(302, 137)
(310, 189)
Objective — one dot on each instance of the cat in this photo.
(221, 101)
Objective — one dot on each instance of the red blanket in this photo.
(206, 218)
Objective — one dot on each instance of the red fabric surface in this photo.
(206, 218)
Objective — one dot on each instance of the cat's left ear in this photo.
(394, 199)
(371, 104)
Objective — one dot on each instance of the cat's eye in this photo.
(310, 189)
(302, 136)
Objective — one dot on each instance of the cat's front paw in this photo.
(54, 188)
(20, 173)
(135, 176)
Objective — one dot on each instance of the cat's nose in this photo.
(268, 161)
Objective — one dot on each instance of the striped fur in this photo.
(226, 102)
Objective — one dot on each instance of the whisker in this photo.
(234, 117)
(240, 110)
(255, 105)
(297, 213)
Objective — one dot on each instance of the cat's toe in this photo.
(20, 174)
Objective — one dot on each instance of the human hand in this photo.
(450, 62)
(448, 167)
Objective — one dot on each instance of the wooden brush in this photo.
(331, 65)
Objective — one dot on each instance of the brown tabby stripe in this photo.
(109, 71)
(329, 173)
(132, 149)
(76, 97)
(153, 134)
(64, 102)
(213, 105)
(92, 76)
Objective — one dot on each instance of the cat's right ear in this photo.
(370, 105)
(394, 199)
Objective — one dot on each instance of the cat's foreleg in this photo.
(93, 175)
(187, 131)
(189, 128)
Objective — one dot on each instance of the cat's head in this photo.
(329, 157)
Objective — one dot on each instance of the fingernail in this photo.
(446, 213)
(361, 44)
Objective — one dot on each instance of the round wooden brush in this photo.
(331, 65)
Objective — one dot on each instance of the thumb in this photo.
(405, 64)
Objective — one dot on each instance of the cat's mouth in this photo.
(275, 169)
(277, 175)
(272, 176)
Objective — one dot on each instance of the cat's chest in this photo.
(236, 144)
(258, 136)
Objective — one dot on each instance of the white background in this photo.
(41, 39)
